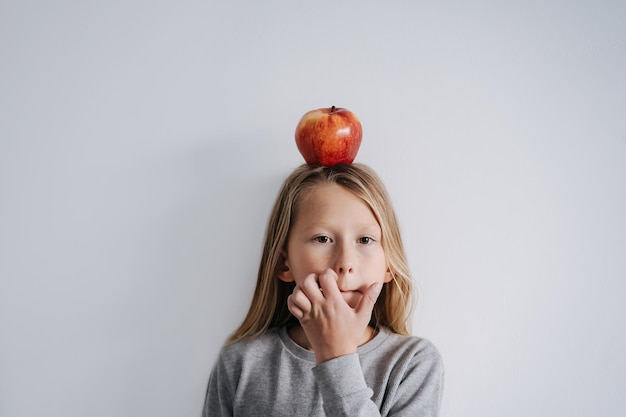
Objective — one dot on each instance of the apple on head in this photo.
(329, 136)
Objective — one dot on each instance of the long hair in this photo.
(268, 309)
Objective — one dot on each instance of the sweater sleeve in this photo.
(219, 397)
(417, 392)
(343, 388)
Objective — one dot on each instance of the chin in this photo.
(352, 298)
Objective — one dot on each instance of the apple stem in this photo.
(332, 109)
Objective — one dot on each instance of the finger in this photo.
(311, 289)
(328, 284)
(300, 300)
(366, 305)
(294, 309)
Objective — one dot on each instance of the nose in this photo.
(345, 259)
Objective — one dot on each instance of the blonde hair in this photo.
(395, 304)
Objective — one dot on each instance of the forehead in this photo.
(331, 198)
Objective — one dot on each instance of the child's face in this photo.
(335, 229)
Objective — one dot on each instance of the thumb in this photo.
(366, 305)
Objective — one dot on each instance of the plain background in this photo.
(142, 144)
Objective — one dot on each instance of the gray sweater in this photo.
(391, 375)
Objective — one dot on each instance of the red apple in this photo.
(329, 136)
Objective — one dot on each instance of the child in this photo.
(327, 333)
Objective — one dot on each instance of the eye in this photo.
(365, 240)
(321, 239)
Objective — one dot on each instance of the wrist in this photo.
(331, 352)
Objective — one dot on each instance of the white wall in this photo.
(142, 144)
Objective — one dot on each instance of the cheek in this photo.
(308, 262)
(377, 261)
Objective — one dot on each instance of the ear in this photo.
(282, 271)
(388, 276)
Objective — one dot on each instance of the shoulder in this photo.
(420, 346)
(235, 355)
(402, 350)
(386, 339)
(258, 346)
(410, 371)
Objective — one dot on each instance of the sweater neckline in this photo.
(309, 356)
